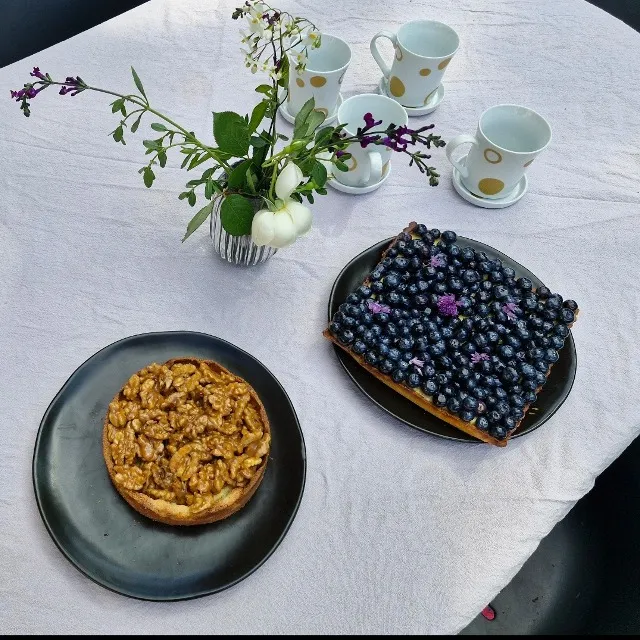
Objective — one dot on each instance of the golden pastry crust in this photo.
(186, 442)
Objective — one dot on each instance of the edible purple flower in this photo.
(36, 73)
(436, 261)
(477, 357)
(370, 122)
(510, 310)
(365, 141)
(376, 307)
(418, 364)
(340, 153)
(448, 305)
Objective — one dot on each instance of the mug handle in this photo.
(375, 169)
(386, 70)
(452, 145)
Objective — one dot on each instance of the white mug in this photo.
(367, 166)
(508, 139)
(423, 50)
(325, 70)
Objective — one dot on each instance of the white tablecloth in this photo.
(398, 531)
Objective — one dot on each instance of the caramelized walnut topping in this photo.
(185, 434)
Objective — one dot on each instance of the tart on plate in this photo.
(454, 331)
(186, 442)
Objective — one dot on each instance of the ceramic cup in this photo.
(423, 50)
(368, 166)
(325, 70)
(508, 139)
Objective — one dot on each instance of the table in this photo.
(398, 531)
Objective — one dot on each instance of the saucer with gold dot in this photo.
(431, 102)
(284, 111)
(499, 203)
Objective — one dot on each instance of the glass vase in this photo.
(236, 249)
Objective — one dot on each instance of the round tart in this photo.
(186, 442)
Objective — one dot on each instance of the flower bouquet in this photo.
(256, 180)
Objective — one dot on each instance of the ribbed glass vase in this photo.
(236, 249)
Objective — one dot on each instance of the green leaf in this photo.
(314, 120)
(231, 133)
(251, 180)
(191, 198)
(257, 115)
(264, 88)
(301, 118)
(319, 174)
(183, 195)
(198, 219)
(194, 161)
(136, 79)
(162, 159)
(238, 175)
(116, 105)
(341, 165)
(117, 134)
(148, 176)
(257, 142)
(136, 124)
(157, 126)
(208, 189)
(323, 134)
(151, 144)
(236, 215)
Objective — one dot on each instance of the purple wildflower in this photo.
(418, 364)
(365, 141)
(370, 122)
(510, 309)
(436, 261)
(477, 357)
(448, 305)
(36, 73)
(376, 307)
(340, 153)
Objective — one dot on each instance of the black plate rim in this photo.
(340, 353)
(208, 592)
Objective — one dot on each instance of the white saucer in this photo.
(499, 203)
(284, 112)
(432, 105)
(358, 191)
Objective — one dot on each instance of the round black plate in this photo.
(549, 400)
(113, 544)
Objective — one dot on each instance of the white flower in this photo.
(258, 10)
(281, 228)
(310, 38)
(288, 180)
(256, 24)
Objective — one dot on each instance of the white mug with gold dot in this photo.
(508, 139)
(422, 51)
(368, 165)
(322, 78)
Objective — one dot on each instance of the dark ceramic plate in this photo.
(114, 545)
(549, 400)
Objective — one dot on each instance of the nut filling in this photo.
(185, 434)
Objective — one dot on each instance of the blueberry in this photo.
(486, 366)
(438, 348)
(448, 237)
(346, 336)
(570, 304)
(335, 328)
(440, 400)
(377, 286)
(530, 303)
(421, 301)
(448, 389)
(394, 354)
(525, 284)
(508, 272)
(366, 319)
(516, 400)
(405, 344)
(428, 371)
(530, 396)
(391, 329)
(364, 292)
(517, 413)
(481, 393)
(482, 423)
(468, 254)
(429, 387)
(567, 316)
(446, 332)
(494, 416)
(480, 340)
(496, 277)
(509, 375)
(527, 370)
(484, 266)
(434, 335)
(376, 329)
(445, 363)
(509, 422)
(413, 380)
(498, 431)
(541, 365)
(429, 272)
(421, 229)
(551, 355)
(500, 292)
(386, 366)
(543, 292)
(391, 281)
(453, 404)
(359, 347)
(371, 357)
(383, 350)
(470, 404)
(513, 341)
(403, 365)
(381, 318)
(506, 351)
(398, 375)
(561, 330)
